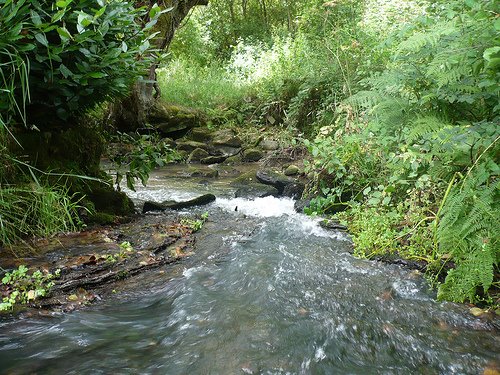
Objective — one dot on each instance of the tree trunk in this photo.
(132, 112)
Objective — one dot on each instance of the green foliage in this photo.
(64, 57)
(138, 155)
(431, 115)
(468, 231)
(195, 224)
(24, 287)
(36, 210)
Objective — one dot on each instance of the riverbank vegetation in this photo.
(397, 104)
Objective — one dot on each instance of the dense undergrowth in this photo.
(398, 104)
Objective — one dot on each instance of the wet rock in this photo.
(269, 145)
(332, 225)
(152, 206)
(301, 204)
(252, 154)
(197, 154)
(292, 170)
(213, 159)
(198, 201)
(256, 190)
(294, 190)
(272, 178)
(190, 146)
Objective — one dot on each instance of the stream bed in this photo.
(267, 291)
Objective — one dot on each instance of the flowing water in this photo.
(268, 291)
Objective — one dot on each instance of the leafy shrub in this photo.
(70, 54)
(138, 155)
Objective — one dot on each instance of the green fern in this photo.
(468, 231)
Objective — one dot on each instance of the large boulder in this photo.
(226, 137)
(256, 190)
(173, 120)
(269, 177)
(169, 205)
(200, 135)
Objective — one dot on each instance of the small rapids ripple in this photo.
(268, 291)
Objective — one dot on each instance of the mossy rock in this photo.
(206, 173)
(173, 120)
(197, 154)
(244, 179)
(292, 170)
(190, 146)
(200, 135)
(110, 201)
(252, 154)
(101, 218)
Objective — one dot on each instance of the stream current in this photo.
(268, 291)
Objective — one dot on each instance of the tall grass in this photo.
(35, 211)
(192, 85)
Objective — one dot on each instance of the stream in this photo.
(267, 291)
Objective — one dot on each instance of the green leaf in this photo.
(42, 39)
(64, 33)
(155, 9)
(100, 12)
(124, 47)
(65, 71)
(35, 17)
(97, 75)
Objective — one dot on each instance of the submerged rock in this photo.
(170, 205)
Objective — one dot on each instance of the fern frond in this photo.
(425, 126)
